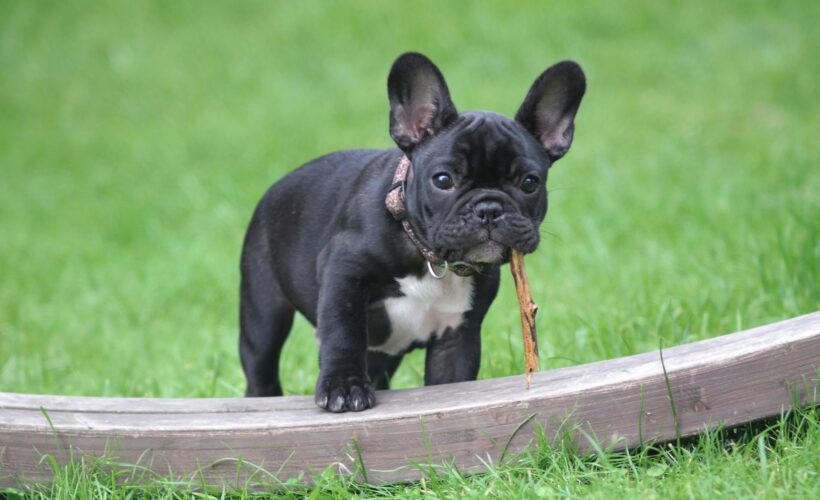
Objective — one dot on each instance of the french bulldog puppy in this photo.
(385, 251)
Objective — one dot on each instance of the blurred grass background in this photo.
(137, 137)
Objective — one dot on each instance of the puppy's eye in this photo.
(442, 180)
(530, 184)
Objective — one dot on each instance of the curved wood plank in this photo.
(724, 380)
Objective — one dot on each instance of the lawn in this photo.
(137, 137)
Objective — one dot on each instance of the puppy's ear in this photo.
(548, 111)
(420, 102)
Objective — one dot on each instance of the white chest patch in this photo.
(429, 306)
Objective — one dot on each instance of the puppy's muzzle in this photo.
(488, 211)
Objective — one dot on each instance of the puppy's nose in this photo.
(489, 211)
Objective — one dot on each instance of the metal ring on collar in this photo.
(433, 273)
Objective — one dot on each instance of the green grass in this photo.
(136, 138)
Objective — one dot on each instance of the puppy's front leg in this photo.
(453, 357)
(343, 383)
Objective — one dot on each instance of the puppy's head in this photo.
(478, 183)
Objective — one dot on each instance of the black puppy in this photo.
(384, 251)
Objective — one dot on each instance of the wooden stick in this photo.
(528, 312)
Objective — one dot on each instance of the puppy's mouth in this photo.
(480, 257)
(488, 252)
(464, 239)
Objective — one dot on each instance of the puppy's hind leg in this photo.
(265, 320)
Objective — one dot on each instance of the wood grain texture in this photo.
(724, 380)
(528, 310)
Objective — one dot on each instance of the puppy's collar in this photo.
(397, 206)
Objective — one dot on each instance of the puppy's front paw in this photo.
(340, 393)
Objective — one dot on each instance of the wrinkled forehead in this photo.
(484, 143)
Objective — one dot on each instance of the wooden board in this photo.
(724, 380)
